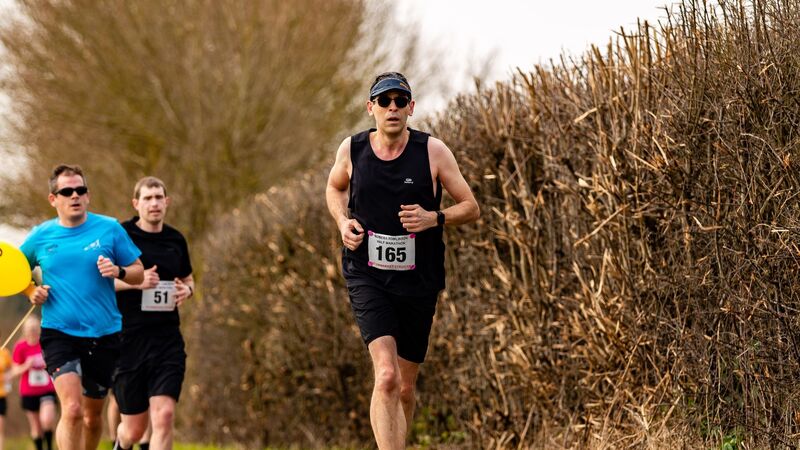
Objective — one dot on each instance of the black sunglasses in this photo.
(67, 191)
(400, 101)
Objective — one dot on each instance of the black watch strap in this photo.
(439, 218)
(121, 274)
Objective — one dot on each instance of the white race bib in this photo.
(387, 252)
(159, 298)
(38, 377)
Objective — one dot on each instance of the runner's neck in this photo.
(389, 144)
(66, 222)
(150, 227)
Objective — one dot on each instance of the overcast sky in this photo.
(522, 33)
(516, 33)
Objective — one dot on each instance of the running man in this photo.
(391, 179)
(80, 254)
(35, 386)
(153, 361)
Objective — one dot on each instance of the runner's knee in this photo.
(406, 392)
(163, 418)
(387, 379)
(134, 429)
(71, 410)
(92, 421)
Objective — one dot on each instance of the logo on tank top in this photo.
(409, 181)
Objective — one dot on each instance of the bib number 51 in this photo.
(159, 298)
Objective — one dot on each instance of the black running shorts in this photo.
(33, 403)
(150, 365)
(408, 319)
(93, 359)
(2, 406)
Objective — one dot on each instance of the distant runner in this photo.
(5, 376)
(153, 361)
(35, 386)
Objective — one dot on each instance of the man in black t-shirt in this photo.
(384, 192)
(152, 361)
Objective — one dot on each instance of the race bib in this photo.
(388, 252)
(159, 298)
(38, 377)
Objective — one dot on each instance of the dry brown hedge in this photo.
(631, 283)
(635, 272)
(276, 357)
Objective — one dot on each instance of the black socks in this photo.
(48, 440)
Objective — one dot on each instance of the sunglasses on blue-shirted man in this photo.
(399, 101)
(67, 191)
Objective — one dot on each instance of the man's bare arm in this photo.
(336, 196)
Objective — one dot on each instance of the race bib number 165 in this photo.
(387, 252)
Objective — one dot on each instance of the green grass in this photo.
(18, 444)
(27, 444)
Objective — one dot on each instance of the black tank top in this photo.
(377, 189)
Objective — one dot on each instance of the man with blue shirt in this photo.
(80, 255)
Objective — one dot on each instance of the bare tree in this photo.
(221, 98)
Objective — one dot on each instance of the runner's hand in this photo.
(40, 294)
(151, 278)
(27, 365)
(352, 233)
(182, 292)
(416, 219)
(106, 267)
(35, 362)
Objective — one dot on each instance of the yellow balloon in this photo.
(15, 272)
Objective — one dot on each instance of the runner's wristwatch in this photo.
(439, 218)
(121, 274)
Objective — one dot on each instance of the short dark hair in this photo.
(385, 75)
(151, 182)
(64, 169)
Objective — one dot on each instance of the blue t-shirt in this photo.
(81, 302)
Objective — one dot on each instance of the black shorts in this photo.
(93, 359)
(32, 403)
(3, 406)
(151, 364)
(408, 319)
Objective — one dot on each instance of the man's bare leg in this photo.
(112, 417)
(386, 411)
(408, 389)
(92, 422)
(131, 428)
(162, 413)
(70, 425)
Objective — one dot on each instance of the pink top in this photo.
(36, 380)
